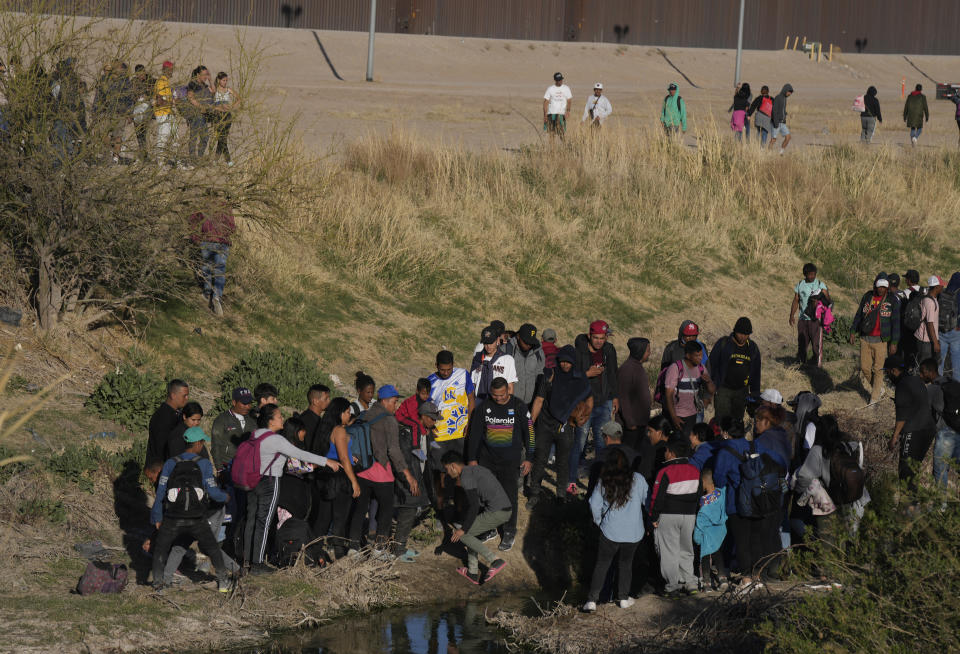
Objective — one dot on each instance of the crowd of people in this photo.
(693, 504)
(70, 111)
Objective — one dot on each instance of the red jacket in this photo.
(676, 490)
(216, 229)
(408, 413)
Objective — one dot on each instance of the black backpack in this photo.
(847, 478)
(948, 311)
(761, 488)
(951, 404)
(293, 537)
(913, 312)
(186, 495)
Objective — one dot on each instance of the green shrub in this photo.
(42, 509)
(285, 367)
(128, 396)
(80, 463)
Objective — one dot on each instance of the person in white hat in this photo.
(598, 107)
(771, 397)
(927, 335)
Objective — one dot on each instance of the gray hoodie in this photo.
(780, 106)
(529, 367)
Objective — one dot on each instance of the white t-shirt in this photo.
(504, 367)
(558, 97)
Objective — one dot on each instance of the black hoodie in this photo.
(872, 105)
(603, 386)
(634, 386)
(780, 106)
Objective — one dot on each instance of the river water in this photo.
(451, 628)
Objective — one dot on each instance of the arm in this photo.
(340, 441)
(926, 109)
(671, 406)
(894, 325)
(156, 513)
(283, 446)
(683, 114)
(596, 503)
(711, 387)
(656, 498)
(613, 370)
(755, 370)
(546, 103)
(529, 435)
(793, 309)
(474, 435)
(472, 511)
(896, 434)
(809, 471)
(216, 493)
(536, 408)
(716, 354)
(857, 319)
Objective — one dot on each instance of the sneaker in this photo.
(589, 607)
(383, 555)
(178, 578)
(217, 307)
(472, 577)
(627, 603)
(158, 589)
(410, 556)
(258, 569)
(913, 140)
(230, 164)
(487, 536)
(506, 542)
(353, 553)
(495, 567)
(224, 586)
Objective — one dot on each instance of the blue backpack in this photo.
(761, 488)
(359, 433)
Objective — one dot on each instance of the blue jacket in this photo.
(623, 524)
(706, 454)
(726, 474)
(206, 468)
(711, 526)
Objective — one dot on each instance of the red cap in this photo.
(691, 329)
(167, 64)
(599, 327)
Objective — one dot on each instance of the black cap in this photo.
(743, 326)
(557, 76)
(528, 334)
(242, 395)
(567, 353)
(672, 87)
(489, 335)
(894, 279)
(894, 361)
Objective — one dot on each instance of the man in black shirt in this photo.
(914, 429)
(501, 439)
(165, 419)
(318, 398)
(735, 367)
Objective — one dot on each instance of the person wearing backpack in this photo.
(870, 115)
(915, 428)
(949, 329)
(336, 491)
(735, 369)
(945, 403)
(751, 471)
(673, 512)
(258, 466)
(673, 352)
(877, 322)
(762, 108)
(927, 335)
(597, 360)
(184, 490)
(683, 383)
(809, 331)
(673, 115)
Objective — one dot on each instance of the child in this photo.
(673, 511)
(711, 527)
(809, 328)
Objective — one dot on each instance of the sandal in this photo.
(473, 578)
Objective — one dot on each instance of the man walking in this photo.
(597, 359)
(165, 419)
(212, 232)
(673, 114)
(915, 113)
(915, 428)
(877, 321)
(491, 362)
(528, 362)
(556, 107)
(598, 107)
(633, 390)
(950, 328)
(928, 333)
(809, 331)
(682, 387)
(735, 367)
(779, 118)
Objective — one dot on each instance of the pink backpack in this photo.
(825, 316)
(859, 104)
(245, 469)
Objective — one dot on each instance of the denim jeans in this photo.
(214, 267)
(950, 346)
(915, 132)
(946, 454)
(600, 416)
(199, 136)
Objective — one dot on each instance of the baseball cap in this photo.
(528, 334)
(599, 327)
(894, 361)
(194, 434)
(242, 395)
(672, 87)
(598, 85)
(882, 282)
(167, 64)
(691, 329)
(549, 335)
(893, 279)
(934, 281)
(430, 410)
(772, 395)
(387, 391)
(567, 353)
(489, 335)
(612, 428)
(557, 75)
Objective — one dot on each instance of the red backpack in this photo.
(245, 469)
(766, 106)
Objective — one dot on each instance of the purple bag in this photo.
(102, 578)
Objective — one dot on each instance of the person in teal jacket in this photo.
(673, 116)
(710, 529)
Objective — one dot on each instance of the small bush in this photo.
(42, 509)
(127, 396)
(80, 463)
(287, 368)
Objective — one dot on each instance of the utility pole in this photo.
(373, 29)
(736, 75)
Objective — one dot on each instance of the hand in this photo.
(594, 371)
(894, 441)
(793, 320)
(455, 538)
(677, 422)
(936, 347)
(414, 487)
(525, 468)
(157, 525)
(852, 337)
(356, 488)
(616, 407)
(333, 465)
(656, 524)
(891, 348)
(473, 463)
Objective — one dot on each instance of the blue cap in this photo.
(195, 434)
(387, 391)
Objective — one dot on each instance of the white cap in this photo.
(772, 395)
(598, 85)
(934, 281)
(882, 282)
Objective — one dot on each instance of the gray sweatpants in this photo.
(674, 540)
(485, 522)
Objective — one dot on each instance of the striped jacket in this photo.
(676, 490)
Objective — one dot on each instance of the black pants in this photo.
(913, 448)
(383, 491)
(331, 517)
(406, 519)
(222, 132)
(508, 474)
(631, 437)
(687, 427)
(606, 552)
(261, 510)
(550, 434)
(756, 539)
(197, 529)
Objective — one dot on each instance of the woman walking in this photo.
(224, 101)
(738, 120)
(870, 116)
